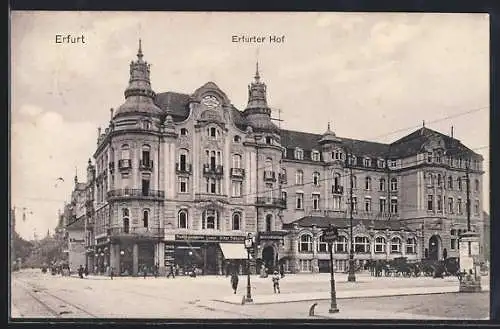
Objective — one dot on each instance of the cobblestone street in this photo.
(37, 295)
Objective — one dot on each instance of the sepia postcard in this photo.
(223, 165)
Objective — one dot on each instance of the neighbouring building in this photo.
(183, 178)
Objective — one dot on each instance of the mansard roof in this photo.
(324, 222)
(406, 146)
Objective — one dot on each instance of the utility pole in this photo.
(351, 277)
(467, 182)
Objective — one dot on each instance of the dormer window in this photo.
(381, 163)
(352, 160)
(337, 155)
(146, 125)
(438, 157)
(315, 155)
(429, 157)
(393, 164)
(237, 139)
(269, 140)
(213, 132)
(184, 132)
(367, 162)
(299, 154)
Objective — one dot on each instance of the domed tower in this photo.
(268, 154)
(139, 97)
(335, 156)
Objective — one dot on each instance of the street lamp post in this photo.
(330, 236)
(249, 245)
(351, 276)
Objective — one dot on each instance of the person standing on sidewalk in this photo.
(171, 271)
(234, 281)
(145, 271)
(276, 282)
(156, 269)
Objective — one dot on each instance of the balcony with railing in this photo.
(337, 189)
(146, 165)
(124, 164)
(237, 172)
(183, 168)
(269, 176)
(136, 232)
(271, 202)
(217, 170)
(282, 179)
(128, 193)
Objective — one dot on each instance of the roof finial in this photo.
(76, 175)
(139, 52)
(329, 126)
(257, 75)
(423, 123)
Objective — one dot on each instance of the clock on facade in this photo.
(210, 102)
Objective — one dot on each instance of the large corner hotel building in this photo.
(182, 179)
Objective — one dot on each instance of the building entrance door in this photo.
(269, 258)
(434, 247)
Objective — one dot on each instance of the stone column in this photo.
(294, 252)
(135, 260)
(114, 258)
(160, 258)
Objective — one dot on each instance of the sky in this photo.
(374, 76)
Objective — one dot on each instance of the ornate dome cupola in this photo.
(257, 111)
(139, 97)
(329, 137)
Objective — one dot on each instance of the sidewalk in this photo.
(361, 293)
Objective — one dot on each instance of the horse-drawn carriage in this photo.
(402, 267)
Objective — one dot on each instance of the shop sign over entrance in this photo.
(209, 238)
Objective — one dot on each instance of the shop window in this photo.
(322, 244)
(411, 246)
(361, 244)
(341, 244)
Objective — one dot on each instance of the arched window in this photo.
(322, 244)
(236, 161)
(394, 184)
(210, 219)
(368, 183)
(299, 177)
(380, 244)
(145, 218)
(316, 178)
(126, 221)
(184, 132)
(361, 244)
(236, 221)
(269, 140)
(411, 246)
(429, 179)
(237, 139)
(395, 245)
(305, 244)
(299, 154)
(459, 183)
(125, 152)
(182, 219)
(269, 223)
(382, 184)
(340, 244)
(336, 180)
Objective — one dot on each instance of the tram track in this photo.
(57, 307)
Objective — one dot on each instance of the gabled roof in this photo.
(324, 222)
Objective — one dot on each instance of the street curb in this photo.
(353, 297)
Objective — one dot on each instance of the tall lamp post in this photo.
(331, 235)
(249, 243)
(351, 277)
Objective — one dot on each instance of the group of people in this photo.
(275, 279)
(83, 271)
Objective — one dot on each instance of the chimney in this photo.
(451, 131)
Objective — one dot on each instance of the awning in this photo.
(234, 251)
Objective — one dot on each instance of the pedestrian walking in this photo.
(145, 271)
(86, 271)
(234, 281)
(171, 271)
(80, 272)
(282, 271)
(156, 268)
(276, 282)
